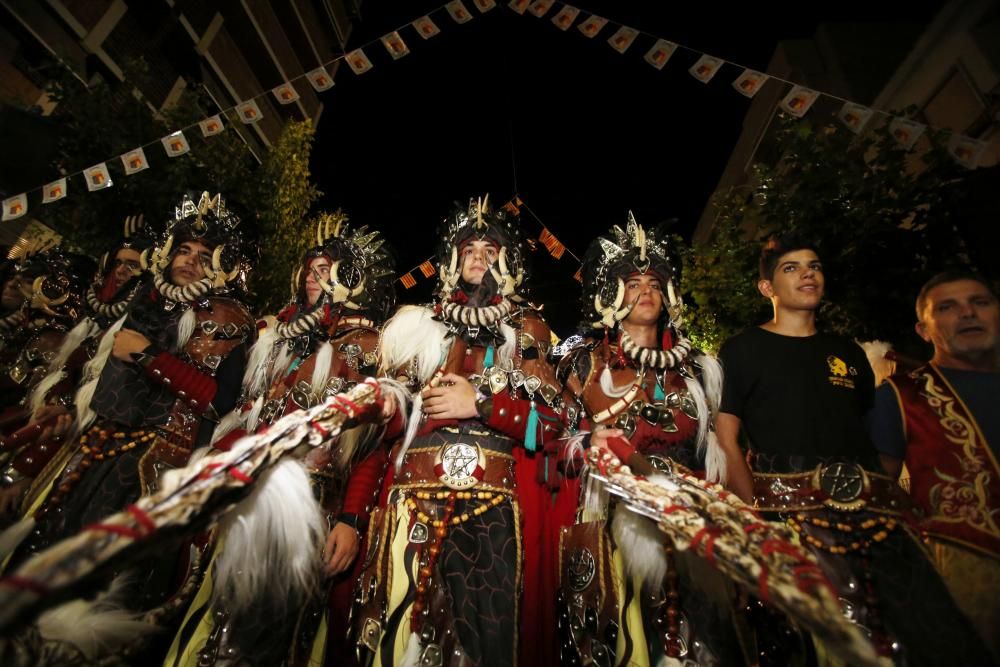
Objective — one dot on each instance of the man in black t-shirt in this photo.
(800, 396)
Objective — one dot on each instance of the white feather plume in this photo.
(84, 329)
(255, 378)
(12, 537)
(321, 370)
(506, 351)
(641, 545)
(410, 334)
(877, 352)
(273, 540)
(91, 376)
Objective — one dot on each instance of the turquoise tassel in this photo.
(488, 359)
(658, 394)
(531, 429)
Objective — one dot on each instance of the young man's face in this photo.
(644, 291)
(961, 318)
(318, 266)
(797, 283)
(188, 265)
(13, 297)
(126, 265)
(476, 258)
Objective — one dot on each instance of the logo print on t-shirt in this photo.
(839, 371)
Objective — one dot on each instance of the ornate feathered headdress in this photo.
(211, 223)
(610, 261)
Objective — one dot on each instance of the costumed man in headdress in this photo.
(457, 539)
(644, 389)
(154, 389)
(263, 598)
(50, 402)
(800, 396)
(51, 282)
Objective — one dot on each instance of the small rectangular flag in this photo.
(966, 150)
(427, 269)
(408, 280)
(854, 116)
(519, 6)
(320, 79)
(15, 207)
(623, 38)
(97, 177)
(458, 11)
(359, 61)
(578, 276)
(249, 112)
(750, 82)
(285, 93)
(540, 8)
(564, 17)
(705, 68)
(395, 45)
(906, 132)
(593, 25)
(425, 27)
(54, 191)
(511, 207)
(798, 101)
(175, 144)
(484, 5)
(134, 161)
(211, 126)
(660, 53)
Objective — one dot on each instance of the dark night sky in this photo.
(589, 133)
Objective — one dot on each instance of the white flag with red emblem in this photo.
(97, 177)
(966, 150)
(799, 100)
(175, 144)
(249, 112)
(750, 82)
(320, 79)
(134, 161)
(425, 27)
(15, 207)
(395, 45)
(592, 25)
(458, 11)
(540, 8)
(285, 93)
(54, 191)
(211, 126)
(705, 68)
(484, 5)
(854, 116)
(519, 6)
(358, 61)
(623, 38)
(564, 17)
(906, 132)
(660, 53)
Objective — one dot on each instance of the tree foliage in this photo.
(881, 216)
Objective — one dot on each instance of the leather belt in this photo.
(457, 465)
(846, 487)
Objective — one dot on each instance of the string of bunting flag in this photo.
(549, 241)
(797, 102)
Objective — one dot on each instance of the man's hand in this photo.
(454, 398)
(128, 342)
(342, 545)
(388, 406)
(10, 497)
(599, 438)
(56, 429)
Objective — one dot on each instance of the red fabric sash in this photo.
(954, 477)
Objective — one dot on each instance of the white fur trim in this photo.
(91, 375)
(11, 538)
(321, 370)
(641, 545)
(255, 376)
(876, 351)
(96, 627)
(185, 328)
(231, 421)
(55, 373)
(411, 656)
(506, 351)
(273, 541)
(412, 333)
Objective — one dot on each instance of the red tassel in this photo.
(668, 340)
